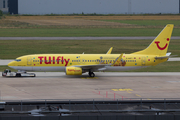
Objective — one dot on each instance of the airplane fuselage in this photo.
(58, 62)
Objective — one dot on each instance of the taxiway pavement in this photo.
(105, 86)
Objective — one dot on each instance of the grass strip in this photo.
(82, 32)
(11, 49)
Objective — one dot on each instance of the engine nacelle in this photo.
(73, 71)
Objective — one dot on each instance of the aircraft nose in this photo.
(11, 64)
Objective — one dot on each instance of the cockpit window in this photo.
(18, 60)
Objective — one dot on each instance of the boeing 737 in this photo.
(76, 64)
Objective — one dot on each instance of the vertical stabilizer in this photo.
(160, 44)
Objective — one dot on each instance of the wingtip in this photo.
(170, 25)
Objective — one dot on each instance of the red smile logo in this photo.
(161, 48)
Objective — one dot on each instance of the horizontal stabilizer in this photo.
(162, 57)
(168, 54)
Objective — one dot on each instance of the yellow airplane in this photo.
(76, 64)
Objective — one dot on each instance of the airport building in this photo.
(4, 6)
(9, 6)
(41, 7)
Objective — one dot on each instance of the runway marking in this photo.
(104, 96)
(89, 78)
(115, 89)
(116, 94)
(127, 90)
(138, 95)
(109, 93)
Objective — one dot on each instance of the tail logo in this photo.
(161, 48)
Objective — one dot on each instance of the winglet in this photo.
(109, 51)
(118, 59)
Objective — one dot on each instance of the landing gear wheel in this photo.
(18, 75)
(34, 75)
(91, 74)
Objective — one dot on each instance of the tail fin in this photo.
(160, 44)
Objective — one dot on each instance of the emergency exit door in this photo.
(143, 61)
(29, 61)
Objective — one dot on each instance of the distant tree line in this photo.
(1, 13)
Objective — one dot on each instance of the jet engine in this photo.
(73, 71)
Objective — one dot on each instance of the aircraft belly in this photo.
(48, 68)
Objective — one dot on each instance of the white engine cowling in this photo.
(73, 71)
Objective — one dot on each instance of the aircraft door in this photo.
(29, 61)
(83, 61)
(79, 61)
(143, 61)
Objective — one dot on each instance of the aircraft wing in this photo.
(99, 67)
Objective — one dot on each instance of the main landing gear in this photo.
(91, 74)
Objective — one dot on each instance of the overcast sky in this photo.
(97, 6)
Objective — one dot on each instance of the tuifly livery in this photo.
(77, 64)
